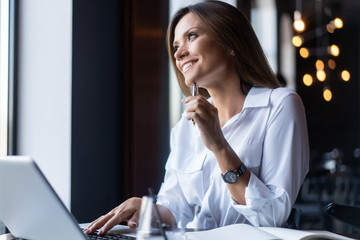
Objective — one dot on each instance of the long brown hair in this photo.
(231, 29)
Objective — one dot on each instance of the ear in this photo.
(232, 53)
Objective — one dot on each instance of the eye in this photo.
(192, 35)
(176, 48)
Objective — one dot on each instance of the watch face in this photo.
(230, 177)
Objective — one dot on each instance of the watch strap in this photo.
(241, 170)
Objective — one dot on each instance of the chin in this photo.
(189, 82)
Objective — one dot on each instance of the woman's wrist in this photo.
(227, 158)
(220, 146)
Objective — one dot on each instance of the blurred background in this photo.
(86, 89)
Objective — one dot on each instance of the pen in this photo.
(194, 92)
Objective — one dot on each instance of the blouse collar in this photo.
(257, 97)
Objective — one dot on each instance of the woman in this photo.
(247, 155)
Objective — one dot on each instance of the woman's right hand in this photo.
(127, 211)
(206, 117)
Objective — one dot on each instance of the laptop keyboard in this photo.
(107, 237)
(97, 237)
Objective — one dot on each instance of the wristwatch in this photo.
(232, 176)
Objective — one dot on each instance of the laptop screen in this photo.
(29, 206)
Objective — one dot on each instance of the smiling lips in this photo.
(187, 65)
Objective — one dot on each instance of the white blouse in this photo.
(270, 137)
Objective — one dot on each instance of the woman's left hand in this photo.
(206, 117)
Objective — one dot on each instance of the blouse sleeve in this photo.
(285, 163)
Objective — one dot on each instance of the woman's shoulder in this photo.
(279, 95)
(286, 99)
(265, 96)
(283, 92)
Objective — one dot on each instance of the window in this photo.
(7, 10)
(5, 85)
(4, 77)
(263, 20)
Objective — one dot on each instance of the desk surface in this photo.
(9, 236)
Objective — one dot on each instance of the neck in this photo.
(228, 99)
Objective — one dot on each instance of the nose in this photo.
(181, 52)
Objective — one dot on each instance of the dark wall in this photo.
(97, 92)
(119, 102)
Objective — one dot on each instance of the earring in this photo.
(232, 53)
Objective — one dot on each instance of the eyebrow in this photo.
(185, 33)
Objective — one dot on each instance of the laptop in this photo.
(31, 209)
